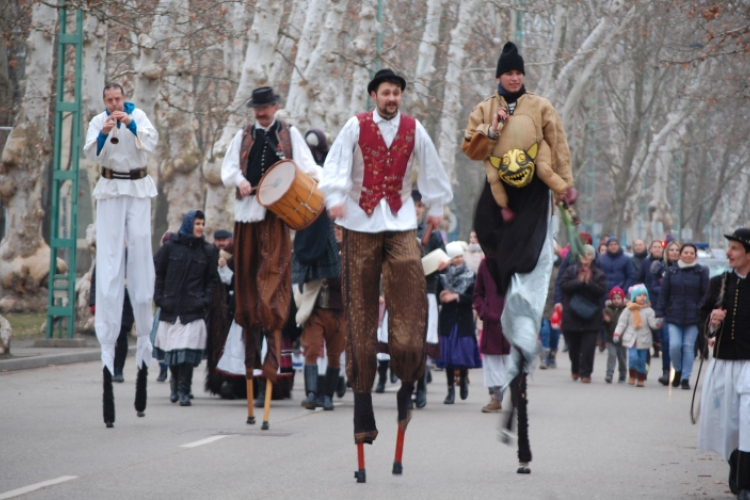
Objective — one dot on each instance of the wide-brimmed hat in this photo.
(382, 75)
(262, 96)
(742, 235)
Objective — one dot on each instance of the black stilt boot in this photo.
(382, 376)
(733, 462)
(421, 400)
(184, 383)
(332, 378)
(108, 400)
(140, 391)
(311, 386)
(743, 475)
(173, 394)
(451, 397)
(464, 383)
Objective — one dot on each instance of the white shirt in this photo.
(248, 209)
(432, 181)
(128, 155)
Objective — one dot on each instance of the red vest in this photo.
(384, 167)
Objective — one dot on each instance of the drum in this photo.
(291, 194)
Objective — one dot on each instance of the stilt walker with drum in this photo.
(263, 248)
(367, 182)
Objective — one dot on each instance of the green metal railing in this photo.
(61, 303)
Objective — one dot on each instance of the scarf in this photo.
(635, 311)
(186, 229)
(510, 96)
(458, 279)
(682, 265)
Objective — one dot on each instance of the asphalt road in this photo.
(589, 442)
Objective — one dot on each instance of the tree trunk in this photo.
(24, 255)
(364, 46)
(425, 73)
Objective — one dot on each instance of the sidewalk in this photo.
(25, 356)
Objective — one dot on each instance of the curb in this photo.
(43, 361)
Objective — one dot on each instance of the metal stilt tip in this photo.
(109, 425)
(265, 426)
(250, 420)
(523, 468)
(360, 476)
(398, 468)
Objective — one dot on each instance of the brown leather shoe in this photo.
(586, 380)
(641, 380)
(574, 376)
(494, 406)
(631, 379)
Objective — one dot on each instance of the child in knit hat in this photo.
(616, 353)
(635, 326)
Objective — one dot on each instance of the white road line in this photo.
(34, 487)
(201, 442)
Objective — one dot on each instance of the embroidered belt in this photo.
(133, 175)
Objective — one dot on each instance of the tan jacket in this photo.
(533, 121)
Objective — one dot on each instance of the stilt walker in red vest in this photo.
(367, 182)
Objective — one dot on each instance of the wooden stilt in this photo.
(250, 398)
(398, 468)
(360, 473)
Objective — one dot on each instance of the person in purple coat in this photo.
(494, 347)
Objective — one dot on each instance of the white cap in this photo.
(454, 249)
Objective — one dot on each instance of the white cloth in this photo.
(724, 424)
(383, 337)
(232, 359)
(432, 319)
(524, 305)
(176, 336)
(226, 275)
(495, 369)
(248, 209)
(119, 221)
(337, 182)
(128, 155)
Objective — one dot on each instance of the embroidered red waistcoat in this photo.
(384, 167)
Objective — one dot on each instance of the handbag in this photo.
(583, 307)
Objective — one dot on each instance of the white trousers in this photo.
(121, 221)
(725, 408)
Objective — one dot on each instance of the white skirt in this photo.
(495, 369)
(232, 360)
(725, 408)
(173, 337)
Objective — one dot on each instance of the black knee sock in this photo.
(450, 375)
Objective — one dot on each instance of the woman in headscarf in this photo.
(186, 277)
(458, 342)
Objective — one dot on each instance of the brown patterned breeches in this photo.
(328, 325)
(396, 255)
(262, 286)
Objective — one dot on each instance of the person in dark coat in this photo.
(617, 267)
(682, 291)
(586, 284)
(458, 341)
(670, 256)
(494, 347)
(186, 277)
(651, 281)
(640, 253)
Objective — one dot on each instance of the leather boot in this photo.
(341, 386)
(184, 383)
(743, 475)
(162, 373)
(664, 379)
(451, 397)
(311, 384)
(552, 359)
(464, 382)
(394, 378)
(175, 371)
(382, 376)
(494, 406)
(332, 378)
(733, 463)
(677, 378)
(631, 379)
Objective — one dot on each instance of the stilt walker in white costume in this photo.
(119, 139)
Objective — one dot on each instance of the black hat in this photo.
(742, 235)
(416, 195)
(222, 234)
(509, 60)
(262, 96)
(381, 76)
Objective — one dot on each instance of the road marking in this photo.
(201, 442)
(34, 487)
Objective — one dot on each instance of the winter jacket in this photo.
(435, 242)
(458, 312)
(618, 268)
(186, 277)
(637, 259)
(639, 337)
(652, 280)
(682, 292)
(594, 291)
(489, 307)
(614, 313)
